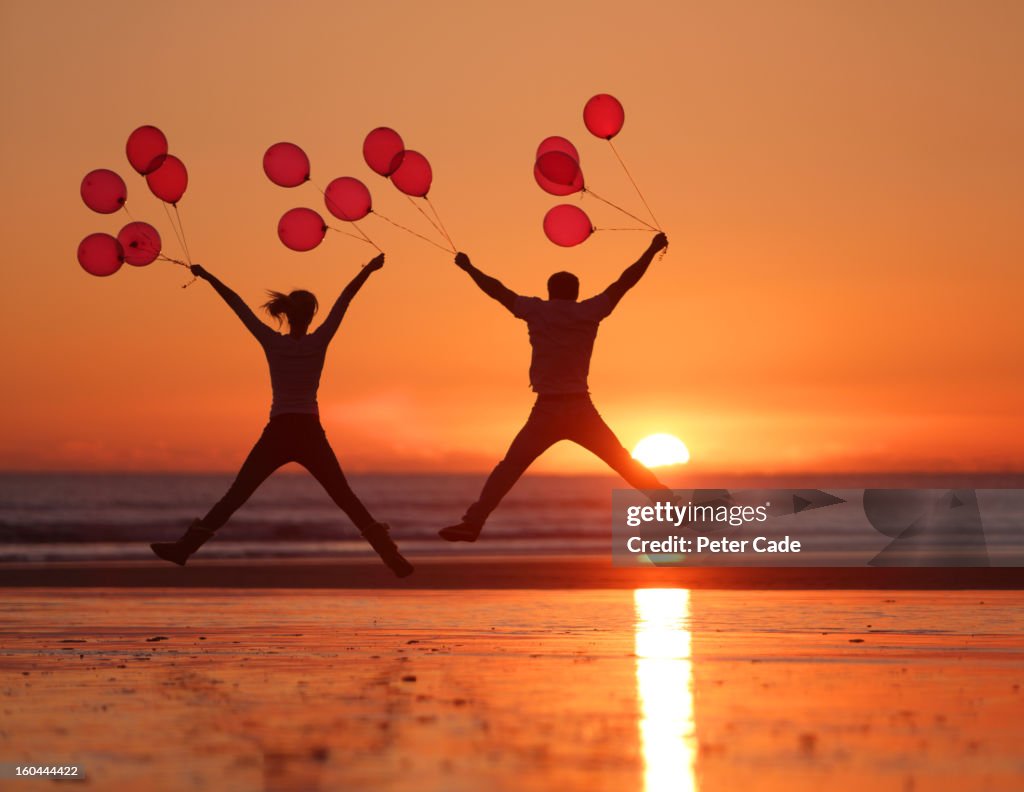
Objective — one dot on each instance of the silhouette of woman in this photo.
(294, 433)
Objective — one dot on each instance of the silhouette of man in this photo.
(562, 332)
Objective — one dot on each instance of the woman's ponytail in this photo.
(278, 305)
(299, 306)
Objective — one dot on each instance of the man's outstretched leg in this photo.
(589, 430)
(540, 433)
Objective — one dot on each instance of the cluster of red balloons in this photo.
(165, 174)
(136, 243)
(287, 165)
(105, 192)
(557, 170)
(386, 154)
(346, 197)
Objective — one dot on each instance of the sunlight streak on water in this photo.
(664, 682)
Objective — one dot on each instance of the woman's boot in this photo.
(380, 540)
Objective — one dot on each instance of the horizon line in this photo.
(704, 474)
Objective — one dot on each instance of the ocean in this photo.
(98, 516)
(87, 516)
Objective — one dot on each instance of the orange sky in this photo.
(841, 183)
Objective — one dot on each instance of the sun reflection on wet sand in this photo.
(664, 683)
(506, 690)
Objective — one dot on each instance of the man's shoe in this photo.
(178, 552)
(380, 540)
(463, 532)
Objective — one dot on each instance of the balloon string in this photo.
(180, 263)
(180, 239)
(616, 206)
(354, 236)
(362, 234)
(635, 187)
(409, 230)
(429, 220)
(162, 257)
(174, 228)
(621, 229)
(365, 236)
(440, 222)
(181, 225)
(322, 192)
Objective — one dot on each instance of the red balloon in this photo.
(168, 182)
(140, 242)
(381, 149)
(560, 168)
(103, 191)
(413, 175)
(301, 229)
(146, 149)
(604, 116)
(567, 225)
(558, 189)
(286, 165)
(556, 143)
(100, 255)
(348, 199)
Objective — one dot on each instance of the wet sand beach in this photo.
(510, 689)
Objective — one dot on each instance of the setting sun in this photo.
(657, 450)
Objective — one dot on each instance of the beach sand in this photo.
(512, 689)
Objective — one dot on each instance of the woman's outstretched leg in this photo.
(317, 456)
(265, 457)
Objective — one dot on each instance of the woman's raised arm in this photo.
(235, 303)
(330, 325)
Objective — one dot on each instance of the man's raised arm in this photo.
(492, 287)
(634, 272)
